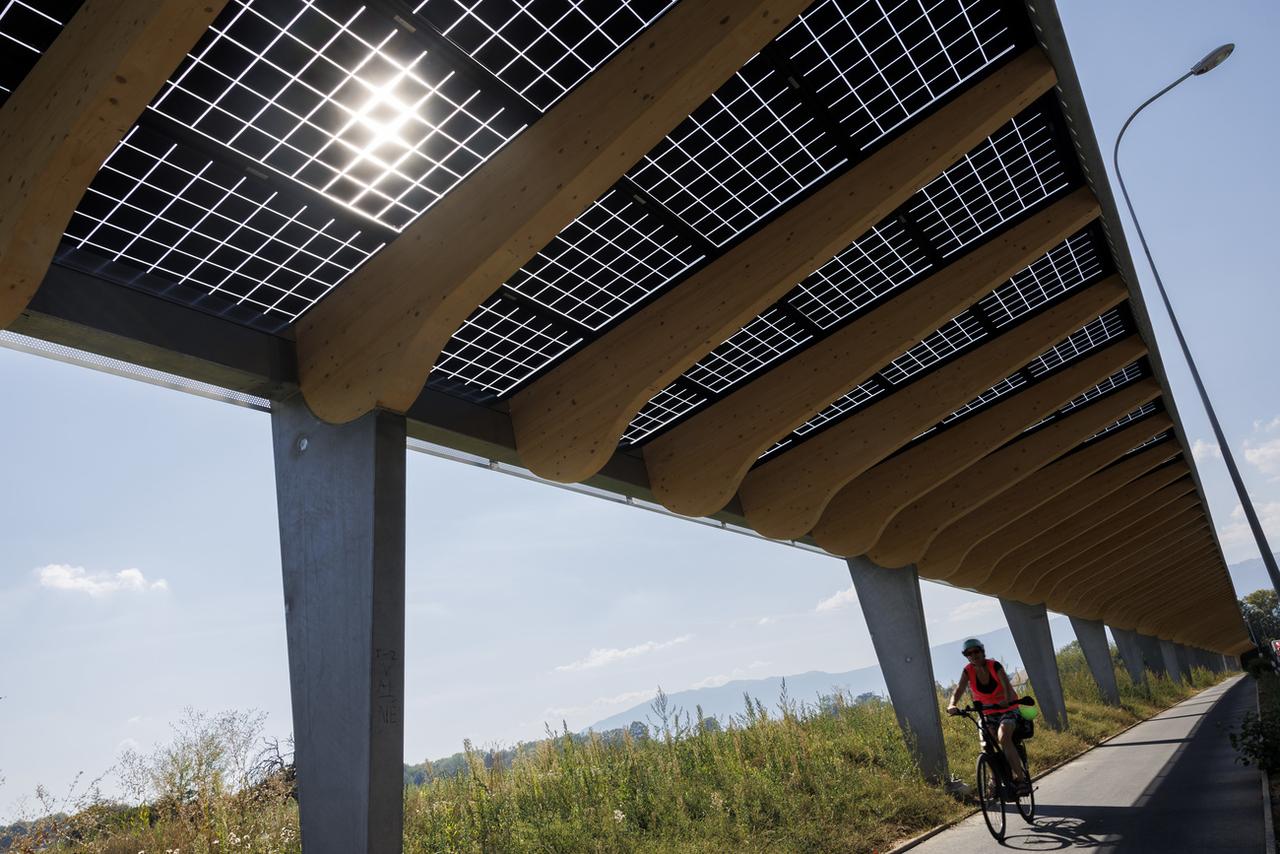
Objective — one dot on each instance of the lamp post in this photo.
(1204, 66)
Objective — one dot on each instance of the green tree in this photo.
(1261, 611)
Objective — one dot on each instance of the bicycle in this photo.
(995, 781)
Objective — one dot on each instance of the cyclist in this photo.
(986, 680)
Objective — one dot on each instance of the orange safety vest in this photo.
(996, 698)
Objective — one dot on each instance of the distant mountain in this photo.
(725, 700)
(1249, 575)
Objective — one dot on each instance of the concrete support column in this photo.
(1184, 661)
(1097, 653)
(1172, 667)
(1030, 627)
(890, 600)
(1153, 654)
(1130, 654)
(340, 492)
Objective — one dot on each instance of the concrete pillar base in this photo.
(1172, 666)
(1097, 653)
(890, 600)
(1030, 627)
(341, 498)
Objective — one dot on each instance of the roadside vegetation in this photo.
(833, 776)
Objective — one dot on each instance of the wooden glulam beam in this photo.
(952, 546)
(568, 422)
(1195, 588)
(67, 116)
(372, 341)
(1086, 596)
(1128, 582)
(1116, 540)
(1124, 511)
(1105, 575)
(1187, 609)
(1070, 530)
(1124, 546)
(784, 497)
(1072, 483)
(1089, 591)
(854, 519)
(913, 528)
(695, 467)
(1174, 503)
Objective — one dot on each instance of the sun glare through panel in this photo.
(339, 99)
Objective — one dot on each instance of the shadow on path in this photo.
(1200, 801)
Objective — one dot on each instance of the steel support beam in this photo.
(890, 600)
(1097, 653)
(341, 497)
(1030, 627)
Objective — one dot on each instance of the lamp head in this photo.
(1213, 59)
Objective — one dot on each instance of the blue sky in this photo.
(141, 568)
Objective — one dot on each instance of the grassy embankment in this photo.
(780, 779)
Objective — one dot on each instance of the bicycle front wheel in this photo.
(990, 796)
(1027, 802)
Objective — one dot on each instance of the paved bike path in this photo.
(1170, 784)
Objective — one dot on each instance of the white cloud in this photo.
(1203, 450)
(836, 601)
(766, 621)
(976, 608)
(601, 657)
(1265, 456)
(1237, 537)
(58, 576)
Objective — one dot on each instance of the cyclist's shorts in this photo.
(1023, 728)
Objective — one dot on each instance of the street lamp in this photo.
(1211, 61)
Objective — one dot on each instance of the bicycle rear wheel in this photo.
(990, 796)
(1027, 802)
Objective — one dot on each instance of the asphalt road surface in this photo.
(1168, 785)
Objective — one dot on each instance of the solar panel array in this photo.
(27, 28)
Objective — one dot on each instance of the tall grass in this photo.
(835, 777)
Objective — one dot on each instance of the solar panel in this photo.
(1016, 168)
(1005, 387)
(541, 49)
(166, 218)
(663, 408)
(880, 261)
(610, 258)
(1096, 333)
(339, 99)
(1068, 265)
(750, 148)
(27, 28)
(838, 409)
(1141, 412)
(877, 63)
(500, 344)
(957, 334)
(752, 348)
(1126, 375)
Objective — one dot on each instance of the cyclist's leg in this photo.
(1007, 728)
